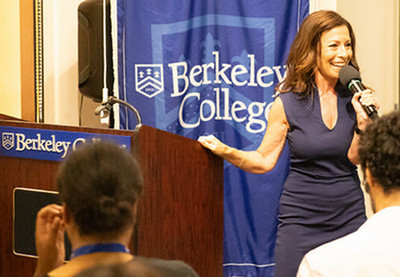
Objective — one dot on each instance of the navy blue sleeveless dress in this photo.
(322, 199)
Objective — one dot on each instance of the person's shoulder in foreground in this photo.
(143, 267)
(373, 250)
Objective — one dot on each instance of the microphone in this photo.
(350, 78)
(105, 108)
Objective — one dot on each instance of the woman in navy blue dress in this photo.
(322, 199)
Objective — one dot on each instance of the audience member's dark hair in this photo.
(100, 183)
(379, 151)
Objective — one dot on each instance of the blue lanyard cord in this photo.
(99, 247)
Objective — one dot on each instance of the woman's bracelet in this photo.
(357, 130)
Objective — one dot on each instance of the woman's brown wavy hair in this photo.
(302, 59)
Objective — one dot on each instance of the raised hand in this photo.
(367, 98)
(49, 238)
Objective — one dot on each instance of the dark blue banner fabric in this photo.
(210, 67)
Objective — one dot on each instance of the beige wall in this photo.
(10, 86)
(61, 62)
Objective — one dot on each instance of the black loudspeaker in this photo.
(90, 49)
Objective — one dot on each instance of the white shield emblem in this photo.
(8, 140)
(149, 79)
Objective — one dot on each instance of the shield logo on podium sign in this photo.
(8, 140)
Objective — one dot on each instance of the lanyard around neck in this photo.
(99, 247)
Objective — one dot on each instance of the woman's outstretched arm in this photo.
(265, 157)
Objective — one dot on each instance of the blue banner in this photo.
(210, 67)
(50, 145)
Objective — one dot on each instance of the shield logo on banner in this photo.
(8, 140)
(149, 79)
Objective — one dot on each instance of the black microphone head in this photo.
(348, 73)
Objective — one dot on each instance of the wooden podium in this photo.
(180, 213)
